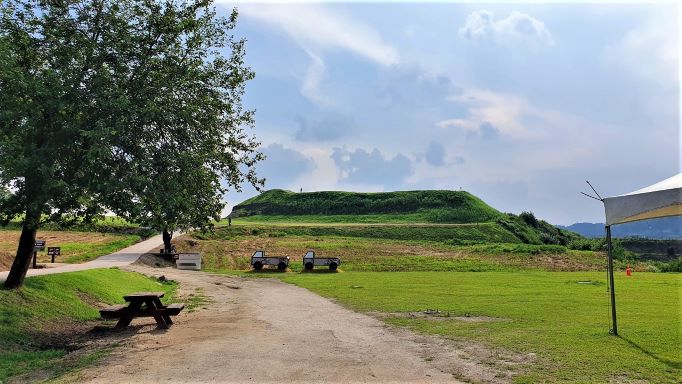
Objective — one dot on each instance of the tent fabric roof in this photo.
(658, 200)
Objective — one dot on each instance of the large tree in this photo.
(121, 105)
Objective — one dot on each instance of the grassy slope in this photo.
(563, 322)
(489, 232)
(407, 207)
(387, 248)
(423, 206)
(58, 299)
(82, 252)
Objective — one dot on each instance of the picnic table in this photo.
(142, 304)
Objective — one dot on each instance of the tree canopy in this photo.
(132, 106)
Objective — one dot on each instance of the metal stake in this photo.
(614, 330)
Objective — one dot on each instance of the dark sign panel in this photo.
(53, 251)
(39, 245)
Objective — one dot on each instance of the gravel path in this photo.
(125, 256)
(265, 331)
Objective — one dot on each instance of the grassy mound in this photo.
(485, 224)
(416, 206)
(30, 314)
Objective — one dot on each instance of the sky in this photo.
(518, 104)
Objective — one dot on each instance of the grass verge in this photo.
(30, 313)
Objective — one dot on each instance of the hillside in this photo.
(477, 221)
(417, 206)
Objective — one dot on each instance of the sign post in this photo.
(38, 246)
(53, 251)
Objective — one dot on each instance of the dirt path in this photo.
(263, 331)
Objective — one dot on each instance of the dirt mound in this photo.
(154, 261)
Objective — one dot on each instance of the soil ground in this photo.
(263, 330)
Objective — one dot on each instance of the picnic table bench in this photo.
(142, 304)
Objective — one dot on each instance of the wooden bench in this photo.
(113, 311)
(142, 304)
(175, 308)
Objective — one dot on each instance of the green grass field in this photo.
(57, 301)
(565, 323)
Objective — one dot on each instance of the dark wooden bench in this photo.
(142, 304)
(113, 311)
(175, 308)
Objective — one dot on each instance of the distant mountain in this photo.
(664, 228)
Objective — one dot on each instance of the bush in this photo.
(529, 218)
(673, 266)
(582, 244)
(518, 227)
(547, 238)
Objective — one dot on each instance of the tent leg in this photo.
(614, 330)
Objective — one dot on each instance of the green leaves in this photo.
(128, 106)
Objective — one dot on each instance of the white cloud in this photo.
(649, 51)
(507, 112)
(517, 28)
(316, 27)
(520, 125)
(310, 86)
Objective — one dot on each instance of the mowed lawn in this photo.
(76, 247)
(561, 317)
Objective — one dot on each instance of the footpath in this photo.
(125, 256)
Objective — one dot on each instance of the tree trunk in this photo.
(167, 237)
(22, 261)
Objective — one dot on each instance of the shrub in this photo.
(673, 266)
(582, 244)
(529, 218)
(547, 238)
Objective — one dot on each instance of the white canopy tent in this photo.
(658, 200)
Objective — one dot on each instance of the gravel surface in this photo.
(262, 331)
(266, 331)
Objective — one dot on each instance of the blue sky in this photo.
(517, 104)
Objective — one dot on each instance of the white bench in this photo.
(190, 261)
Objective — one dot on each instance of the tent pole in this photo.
(614, 331)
